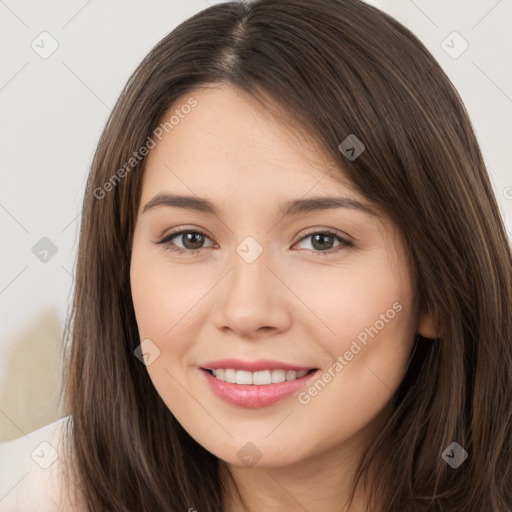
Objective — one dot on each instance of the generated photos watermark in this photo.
(143, 151)
(357, 345)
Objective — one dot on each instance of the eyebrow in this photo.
(290, 208)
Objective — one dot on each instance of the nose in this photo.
(252, 301)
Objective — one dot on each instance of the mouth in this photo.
(260, 378)
(256, 384)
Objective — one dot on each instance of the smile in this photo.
(255, 384)
(261, 378)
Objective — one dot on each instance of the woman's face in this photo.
(266, 289)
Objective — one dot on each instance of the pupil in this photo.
(190, 237)
(321, 237)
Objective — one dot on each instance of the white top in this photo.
(30, 478)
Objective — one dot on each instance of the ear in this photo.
(427, 327)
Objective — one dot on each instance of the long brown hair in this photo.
(331, 68)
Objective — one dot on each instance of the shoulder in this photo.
(31, 475)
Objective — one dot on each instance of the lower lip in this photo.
(251, 395)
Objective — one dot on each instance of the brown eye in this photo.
(192, 241)
(322, 242)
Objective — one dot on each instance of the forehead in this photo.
(228, 139)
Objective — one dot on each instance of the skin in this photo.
(291, 304)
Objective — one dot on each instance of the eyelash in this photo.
(191, 252)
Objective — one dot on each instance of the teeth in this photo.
(278, 376)
(261, 378)
(243, 377)
(257, 378)
(291, 375)
(230, 376)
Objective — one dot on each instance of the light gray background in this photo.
(52, 113)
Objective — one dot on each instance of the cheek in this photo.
(351, 298)
(369, 313)
(169, 309)
(163, 302)
(163, 299)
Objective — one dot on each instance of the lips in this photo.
(257, 394)
(254, 366)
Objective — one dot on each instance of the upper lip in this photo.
(254, 366)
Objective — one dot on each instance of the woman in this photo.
(293, 281)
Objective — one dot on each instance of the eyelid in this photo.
(310, 231)
(345, 240)
(313, 231)
(329, 231)
(165, 239)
